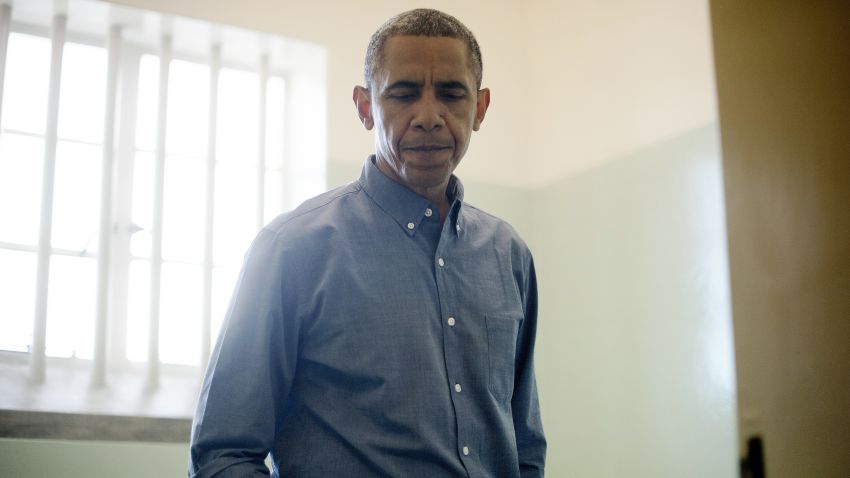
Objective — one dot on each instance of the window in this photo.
(138, 159)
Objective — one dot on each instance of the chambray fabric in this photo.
(337, 355)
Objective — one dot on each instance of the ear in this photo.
(481, 108)
(363, 102)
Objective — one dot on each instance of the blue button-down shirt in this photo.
(364, 338)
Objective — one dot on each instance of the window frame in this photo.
(119, 254)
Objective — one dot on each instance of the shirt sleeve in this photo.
(531, 443)
(250, 371)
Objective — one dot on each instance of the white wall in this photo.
(612, 77)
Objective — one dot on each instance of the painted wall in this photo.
(783, 78)
(635, 344)
(78, 459)
(612, 77)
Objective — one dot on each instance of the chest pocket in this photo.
(501, 350)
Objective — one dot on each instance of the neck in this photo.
(435, 194)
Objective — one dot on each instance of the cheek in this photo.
(393, 133)
(463, 120)
(462, 129)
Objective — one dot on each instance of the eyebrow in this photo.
(403, 84)
(444, 85)
(452, 85)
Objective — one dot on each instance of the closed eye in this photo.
(402, 96)
(453, 95)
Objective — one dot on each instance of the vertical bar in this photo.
(5, 21)
(212, 129)
(156, 232)
(39, 334)
(104, 242)
(288, 164)
(125, 147)
(261, 147)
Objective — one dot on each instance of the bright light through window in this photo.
(218, 187)
(180, 314)
(238, 116)
(20, 187)
(70, 307)
(25, 85)
(275, 133)
(188, 109)
(82, 94)
(138, 311)
(142, 204)
(183, 218)
(235, 187)
(147, 103)
(17, 277)
(76, 197)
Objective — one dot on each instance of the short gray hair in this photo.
(420, 22)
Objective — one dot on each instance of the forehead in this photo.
(417, 57)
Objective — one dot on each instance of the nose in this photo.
(429, 115)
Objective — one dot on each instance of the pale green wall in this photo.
(635, 360)
(84, 459)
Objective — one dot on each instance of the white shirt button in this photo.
(466, 450)
(428, 212)
(410, 225)
(441, 262)
(457, 388)
(451, 321)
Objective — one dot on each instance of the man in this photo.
(385, 328)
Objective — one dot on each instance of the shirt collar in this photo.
(405, 206)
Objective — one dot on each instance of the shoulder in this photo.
(313, 213)
(307, 229)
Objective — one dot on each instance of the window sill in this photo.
(72, 426)
(66, 406)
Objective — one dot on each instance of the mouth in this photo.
(426, 148)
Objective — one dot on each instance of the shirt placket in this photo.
(452, 322)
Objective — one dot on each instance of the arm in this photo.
(249, 374)
(531, 444)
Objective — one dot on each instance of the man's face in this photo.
(424, 105)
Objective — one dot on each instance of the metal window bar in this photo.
(39, 336)
(288, 164)
(261, 138)
(156, 232)
(104, 242)
(5, 27)
(122, 205)
(212, 129)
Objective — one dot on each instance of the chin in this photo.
(429, 181)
